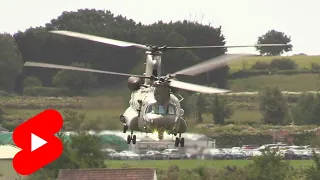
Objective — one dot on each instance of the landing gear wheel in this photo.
(182, 142)
(129, 139)
(176, 143)
(134, 138)
(125, 128)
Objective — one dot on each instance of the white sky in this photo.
(242, 21)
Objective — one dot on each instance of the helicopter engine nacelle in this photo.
(134, 83)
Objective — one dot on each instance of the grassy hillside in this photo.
(299, 82)
(107, 104)
(295, 82)
(107, 109)
(304, 62)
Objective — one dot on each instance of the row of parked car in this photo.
(244, 152)
(167, 154)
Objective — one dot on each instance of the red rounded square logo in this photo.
(36, 137)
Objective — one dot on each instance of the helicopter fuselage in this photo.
(149, 112)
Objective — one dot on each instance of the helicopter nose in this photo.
(159, 119)
(154, 117)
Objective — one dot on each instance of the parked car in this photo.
(114, 156)
(173, 154)
(213, 154)
(250, 147)
(151, 155)
(108, 152)
(129, 155)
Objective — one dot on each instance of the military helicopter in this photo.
(153, 105)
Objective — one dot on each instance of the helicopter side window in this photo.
(171, 109)
(152, 109)
(149, 109)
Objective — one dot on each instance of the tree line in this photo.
(36, 44)
(273, 106)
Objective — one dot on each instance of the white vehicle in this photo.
(171, 154)
(129, 155)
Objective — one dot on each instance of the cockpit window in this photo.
(162, 110)
(159, 109)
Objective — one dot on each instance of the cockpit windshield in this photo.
(160, 109)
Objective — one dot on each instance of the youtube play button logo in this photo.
(36, 137)
(36, 142)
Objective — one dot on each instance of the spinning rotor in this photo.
(153, 51)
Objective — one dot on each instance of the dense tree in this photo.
(269, 166)
(220, 109)
(307, 110)
(313, 172)
(36, 44)
(200, 107)
(274, 37)
(273, 106)
(75, 80)
(31, 81)
(10, 62)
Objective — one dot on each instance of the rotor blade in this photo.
(99, 39)
(196, 88)
(231, 46)
(54, 66)
(211, 64)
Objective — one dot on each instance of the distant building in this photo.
(108, 174)
(7, 152)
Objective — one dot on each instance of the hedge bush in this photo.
(47, 91)
(233, 136)
(249, 73)
(280, 64)
(32, 81)
(243, 101)
(315, 66)
(283, 64)
(238, 140)
(78, 102)
(260, 65)
(28, 102)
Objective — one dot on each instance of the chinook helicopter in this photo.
(153, 105)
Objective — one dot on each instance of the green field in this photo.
(110, 117)
(302, 61)
(298, 83)
(107, 104)
(186, 164)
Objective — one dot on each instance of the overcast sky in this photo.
(242, 21)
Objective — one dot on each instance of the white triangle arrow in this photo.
(36, 142)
